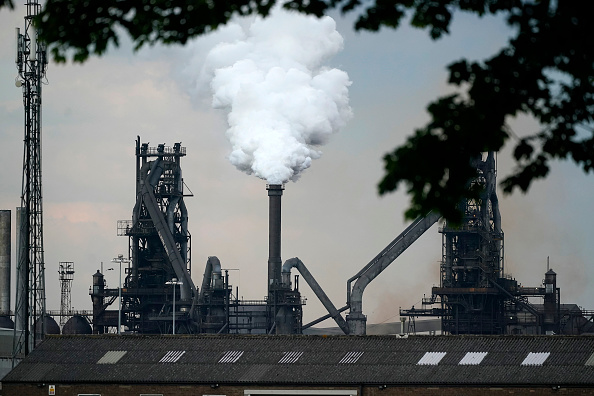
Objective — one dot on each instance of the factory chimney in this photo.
(275, 192)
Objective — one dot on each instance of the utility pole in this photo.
(31, 63)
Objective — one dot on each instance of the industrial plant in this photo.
(157, 296)
(475, 295)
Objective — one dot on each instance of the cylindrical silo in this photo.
(21, 317)
(5, 262)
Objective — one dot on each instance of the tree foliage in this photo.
(88, 27)
(546, 71)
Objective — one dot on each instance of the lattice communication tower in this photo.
(31, 64)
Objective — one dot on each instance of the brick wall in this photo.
(200, 390)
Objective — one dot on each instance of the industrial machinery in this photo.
(160, 247)
(160, 263)
(158, 295)
(475, 296)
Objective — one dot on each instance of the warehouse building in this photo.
(253, 365)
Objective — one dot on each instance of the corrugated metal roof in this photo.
(302, 360)
(431, 358)
(290, 357)
(231, 357)
(350, 357)
(590, 361)
(111, 357)
(172, 356)
(473, 358)
(535, 358)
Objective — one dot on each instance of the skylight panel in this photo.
(473, 358)
(431, 358)
(111, 357)
(290, 357)
(231, 357)
(351, 357)
(535, 358)
(172, 356)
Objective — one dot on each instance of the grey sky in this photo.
(333, 219)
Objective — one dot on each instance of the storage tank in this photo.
(6, 322)
(51, 326)
(77, 324)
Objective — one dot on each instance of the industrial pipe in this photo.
(212, 277)
(157, 167)
(22, 276)
(356, 320)
(184, 230)
(286, 282)
(170, 213)
(179, 266)
(5, 231)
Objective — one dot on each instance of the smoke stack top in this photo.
(282, 102)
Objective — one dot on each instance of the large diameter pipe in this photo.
(21, 318)
(5, 261)
(315, 287)
(356, 320)
(275, 192)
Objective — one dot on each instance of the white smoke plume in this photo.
(282, 102)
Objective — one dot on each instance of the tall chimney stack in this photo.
(275, 192)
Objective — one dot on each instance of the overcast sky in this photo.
(333, 219)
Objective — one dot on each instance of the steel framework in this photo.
(66, 275)
(31, 64)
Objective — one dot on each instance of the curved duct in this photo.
(356, 320)
(135, 216)
(492, 191)
(217, 274)
(156, 168)
(169, 214)
(212, 275)
(286, 282)
(184, 230)
(143, 176)
(175, 257)
(178, 264)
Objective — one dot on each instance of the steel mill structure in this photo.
(160, 251)
(156, 294)
(474, 297)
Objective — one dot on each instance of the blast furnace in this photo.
(158, 295)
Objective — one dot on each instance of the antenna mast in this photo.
(31, 63)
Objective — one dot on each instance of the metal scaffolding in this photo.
(66, 275)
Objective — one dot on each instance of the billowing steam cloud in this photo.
(281, 100)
